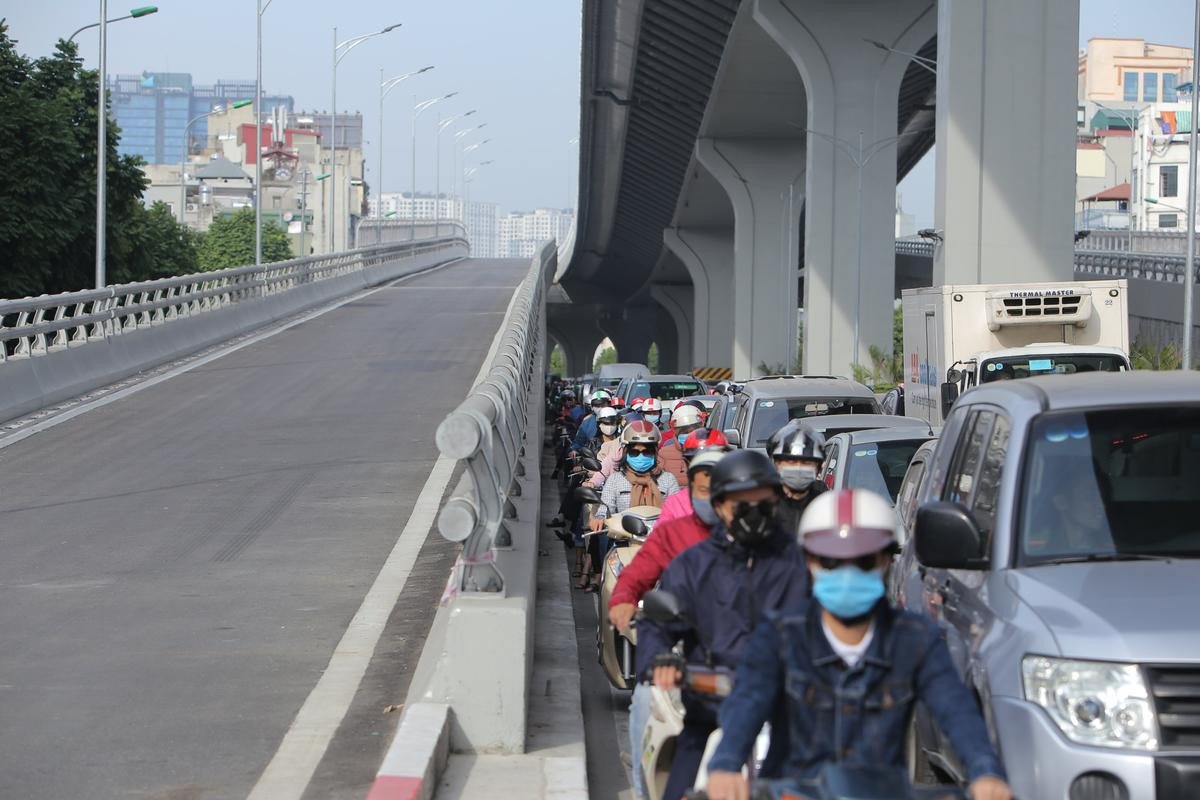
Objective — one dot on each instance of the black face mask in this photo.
(752, 522)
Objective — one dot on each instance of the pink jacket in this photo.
(676, 506)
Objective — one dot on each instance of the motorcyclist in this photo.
(587, 428)
(748, 565)
(685, 420)
(571, 410)
(666, 540)
(798, 452)
(680, 503)
(848, 666)
(673, 428)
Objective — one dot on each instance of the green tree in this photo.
(652, 357)
(558, 361)
(607, 356)
(229, 242)
(1147, 356)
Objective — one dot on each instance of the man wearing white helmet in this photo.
(685, 420)
(848, 666)
(587, 428)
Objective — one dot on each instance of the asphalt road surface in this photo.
(178, 566)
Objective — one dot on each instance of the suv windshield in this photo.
(771, 414)
(1112, 484)
(666, 390)
(880, 466)
(1006, 369)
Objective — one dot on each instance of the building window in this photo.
(1131, 86)
(1150, 87)
(1168, 220)
(1170, 79)
(1168, 181)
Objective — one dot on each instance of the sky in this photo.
(1158, 21)
(515, 63)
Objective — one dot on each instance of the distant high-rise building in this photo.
(479, 218)
(521, 233)
(152, 110)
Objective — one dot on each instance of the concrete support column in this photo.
(1005, 184)
(707, 254)
(575, 330)
(853, 96)
(762, 178)
(675, 331)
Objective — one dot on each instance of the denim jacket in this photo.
(855, 716)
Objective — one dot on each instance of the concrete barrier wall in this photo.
(31, 383)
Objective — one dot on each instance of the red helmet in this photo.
(617, 402)
(636, 403)
(704, 439)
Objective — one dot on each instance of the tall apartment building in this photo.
(480, 218)
(152, 110)
(522, 232)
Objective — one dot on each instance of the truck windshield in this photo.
(665, 390)
(1065, 364)
(771, 414)
(1112, 485)
(880, 466)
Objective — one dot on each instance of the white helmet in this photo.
(640, 432)
(608, 412)
(651, 405)
(847, 524)
(599, 396)
(705, 459)
(684, 416)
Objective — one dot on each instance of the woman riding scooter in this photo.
(607, 442)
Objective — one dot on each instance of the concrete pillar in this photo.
(574, 328)
(675, 326)
(707, 254)
(763, 178)
(853, 96)
(1006, 97)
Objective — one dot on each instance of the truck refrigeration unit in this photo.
(956, 337)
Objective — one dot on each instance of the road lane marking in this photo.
(291, 768)
(221, 351)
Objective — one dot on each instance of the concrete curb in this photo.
(417, 756)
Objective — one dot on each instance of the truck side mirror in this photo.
(949, 395)
(733, 437)
(946, 537)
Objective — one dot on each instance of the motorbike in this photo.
(667, 710)
(616, 650)
(839, 782)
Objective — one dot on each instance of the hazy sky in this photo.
(1160, 21)
(516, 62)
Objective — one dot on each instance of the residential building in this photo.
(521, 233)
(152, 110)
(1103, 166)
(478, 217)
(1132, 71)
(1159, 194)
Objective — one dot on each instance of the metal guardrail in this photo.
(1145, 242)
(1147, 266)
(915, 246)
(489, 431)
(37, 326)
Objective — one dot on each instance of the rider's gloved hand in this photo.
(989, 787)
(727, 786)
(668, 671)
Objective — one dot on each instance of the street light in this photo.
(418, 108)
(1189, 284)
(340, 51)
(134, 13)
(258, 134)
(183, 158)
(385, 87)
(455, 170)
(921, 61)
(437, 160)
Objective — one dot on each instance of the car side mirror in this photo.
(946, 537)
(662, 607)
(949, 395)
(634, 525)
(733, 437)
(586, 494)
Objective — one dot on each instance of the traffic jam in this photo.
(981, 583)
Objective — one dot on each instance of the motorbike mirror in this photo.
(662, 607)
(586, 494)
(634, 525)
(590, 464)
(587, 452)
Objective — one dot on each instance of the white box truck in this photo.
(956, 337)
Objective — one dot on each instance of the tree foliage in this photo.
(652, 357)
(1144, 355)
(229, 242)
(607, 356)
(48, 192)
(558, 361)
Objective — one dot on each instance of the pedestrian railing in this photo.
(490, 431)
(1147, 266)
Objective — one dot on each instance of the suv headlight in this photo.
(1093, 702)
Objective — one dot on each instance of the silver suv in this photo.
(1056, 541)
(765, 404)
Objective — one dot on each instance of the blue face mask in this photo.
(704, 511)
(641, 463)
(847, 592)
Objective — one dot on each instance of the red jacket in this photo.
(667, 540)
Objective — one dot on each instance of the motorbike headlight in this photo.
(1093, 702)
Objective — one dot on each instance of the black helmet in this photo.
(796, 440)
(741, 470)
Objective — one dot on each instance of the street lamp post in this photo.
(184, 157)
(437, 158)
(1135, 121)
(467, 173)
(455, 171)
(417, 109)
(1189, 284)
(340, 51)
(102, 149)
(134, 13)
(385, 87)
(258, 134)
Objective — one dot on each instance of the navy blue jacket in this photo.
(588, 429)
(855, 716)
